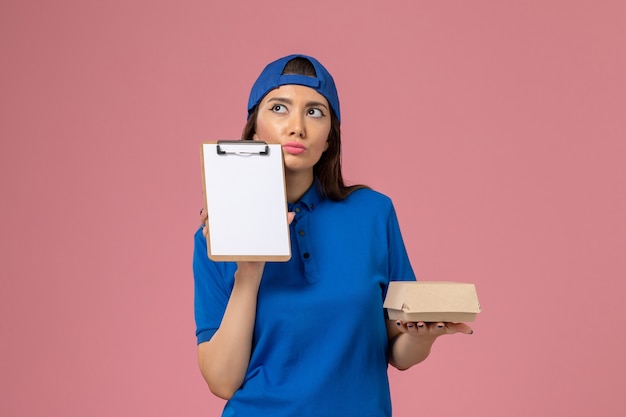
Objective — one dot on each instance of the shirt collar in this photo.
(310, 199)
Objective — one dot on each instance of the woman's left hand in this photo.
(425, 330)
(411, 341)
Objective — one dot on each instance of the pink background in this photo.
(498, 128)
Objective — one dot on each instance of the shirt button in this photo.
(301, 232)
(306, 255)
(312, 206)
(297, 210)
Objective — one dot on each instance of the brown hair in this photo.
(328, 169)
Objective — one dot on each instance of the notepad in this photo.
(246, 202)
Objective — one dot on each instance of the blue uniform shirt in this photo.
(320, 343)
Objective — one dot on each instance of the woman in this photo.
(309, 337)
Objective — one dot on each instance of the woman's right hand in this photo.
(204, 216)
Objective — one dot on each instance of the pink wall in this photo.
(498, 128)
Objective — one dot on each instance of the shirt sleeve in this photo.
(400, 268)
(213, 283)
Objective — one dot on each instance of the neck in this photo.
(297, 184)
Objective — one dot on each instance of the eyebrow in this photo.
(290, 102)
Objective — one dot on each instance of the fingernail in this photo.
(420, 325)
(398, 323)
(471, 332)
(440, 326)
(410, 325)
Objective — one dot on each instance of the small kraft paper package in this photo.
(432, 301)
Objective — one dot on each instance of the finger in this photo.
(414, 328)
(417, 328)
(411, 328)
(429, 329)
(203, 215)
(458, 328)
(401, 326)
(439, 327)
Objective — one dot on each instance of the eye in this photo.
(315, 112)
(279, 108)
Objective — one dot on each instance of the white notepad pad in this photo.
(246, 202)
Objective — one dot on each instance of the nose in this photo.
(296, 126)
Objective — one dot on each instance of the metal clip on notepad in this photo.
(242, 147)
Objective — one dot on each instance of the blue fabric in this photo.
(272, 77)
(320, 344)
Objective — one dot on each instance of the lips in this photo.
(294, 148)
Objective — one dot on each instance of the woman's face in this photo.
(297, 118)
